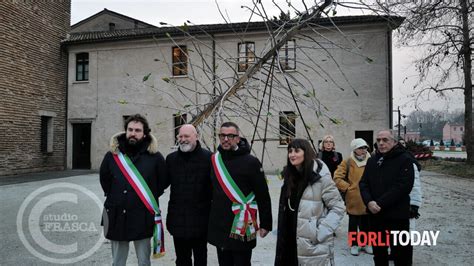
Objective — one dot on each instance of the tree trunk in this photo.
(199, 118)
(467, 52)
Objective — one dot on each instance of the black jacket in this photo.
(248, 174)
(127, 218)
(331, 158)
(388, 179)
(190, 200)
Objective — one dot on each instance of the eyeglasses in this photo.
(363, 148)
(228, 136)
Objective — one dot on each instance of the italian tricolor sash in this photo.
(140, 186)
(244, 208)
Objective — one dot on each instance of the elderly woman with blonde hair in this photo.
(328, 154)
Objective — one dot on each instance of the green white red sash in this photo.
(140, 186)
(244, 208)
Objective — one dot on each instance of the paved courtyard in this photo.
(55, 221)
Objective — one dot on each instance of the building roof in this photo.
(454, 124)
(112, 13)
(156, 32)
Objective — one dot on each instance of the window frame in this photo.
(179, 67)
(287, 127)
(246, 57)
(82, 66)
(46, 134)
(285, 60)
(179, 119)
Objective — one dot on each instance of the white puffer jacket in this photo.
(320, 212)
(416, 193)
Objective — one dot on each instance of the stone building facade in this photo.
(134, 71)
(33, 81)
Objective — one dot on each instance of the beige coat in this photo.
(320, 212)
(350, 185)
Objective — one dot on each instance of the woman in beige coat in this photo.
(347, 178)
(310, 209)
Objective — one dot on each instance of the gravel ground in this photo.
(447, 207)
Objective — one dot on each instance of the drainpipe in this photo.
(65, 50)
(390, 78)
(214, 91)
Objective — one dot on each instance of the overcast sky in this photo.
(205, 11)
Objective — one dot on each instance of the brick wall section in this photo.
(32, 79)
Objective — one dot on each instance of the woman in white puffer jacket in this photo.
(310, 209)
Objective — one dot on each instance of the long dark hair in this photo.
(290, 173)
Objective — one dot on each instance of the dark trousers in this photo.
(234, 257)
(360, 222)
(185, 248)
(402, 255)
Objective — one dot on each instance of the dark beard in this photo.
(132, 145)
(133, 141)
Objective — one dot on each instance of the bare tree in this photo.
(294, 89)
(257, 95)
(429, 123)
(443, 29)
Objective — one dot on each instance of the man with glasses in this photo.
(385, 187)
(239, 191)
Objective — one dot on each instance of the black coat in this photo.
(190, 200)
(248, 174)
(388, 179)
(127, 217)
(331, 158)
